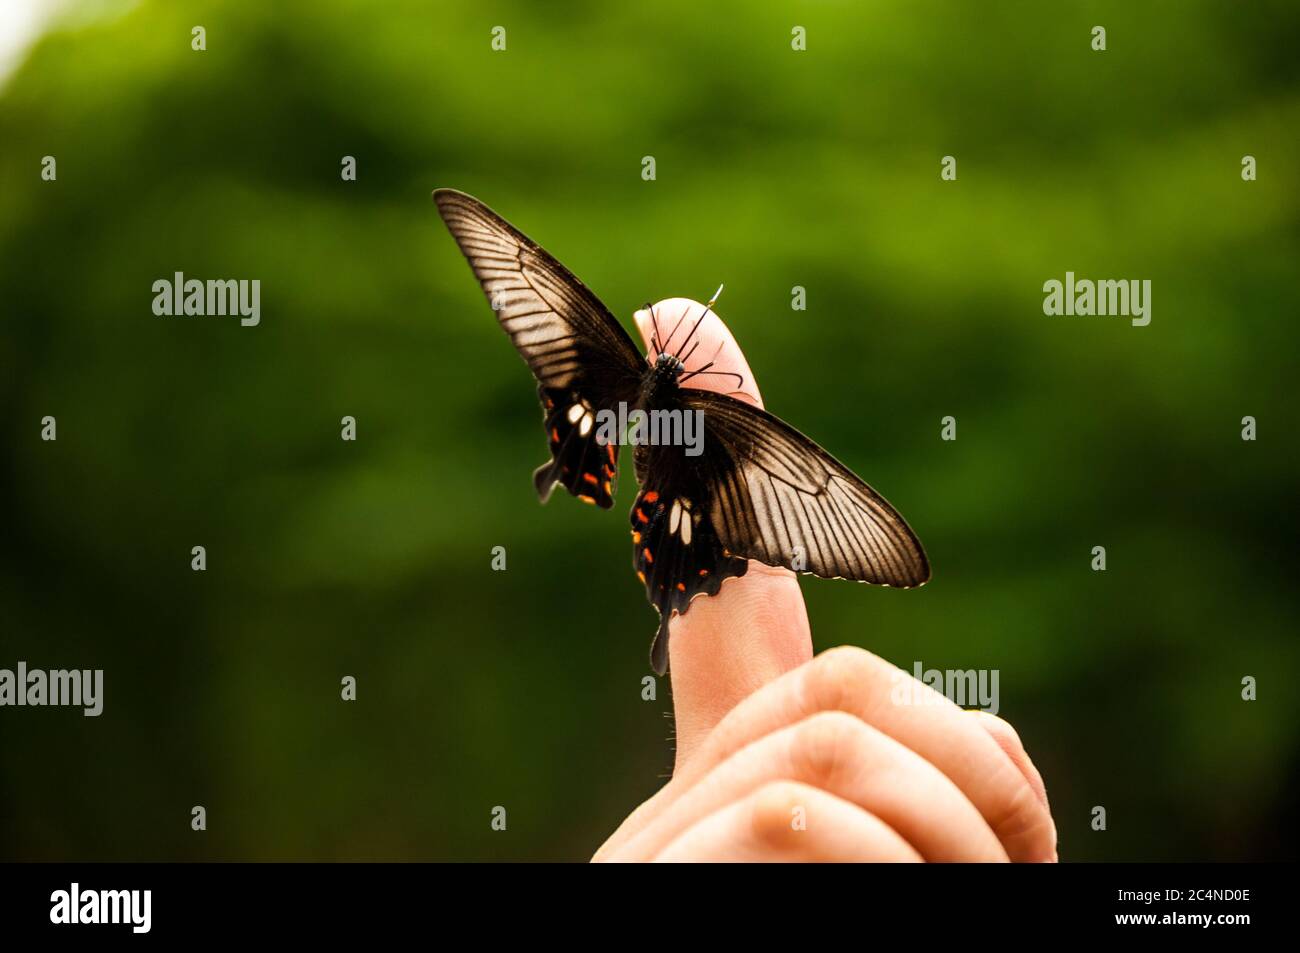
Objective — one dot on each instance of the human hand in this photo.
(782, 756)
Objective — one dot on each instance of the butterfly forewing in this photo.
(777, 497)
(582, 358)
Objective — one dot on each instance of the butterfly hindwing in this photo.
(776, 496)
(678, 556)
(581, 461)
(579, 353)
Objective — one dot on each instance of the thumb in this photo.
(756, 628)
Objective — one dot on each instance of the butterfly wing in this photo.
(582, 358)
(677, 555)
(777, 497)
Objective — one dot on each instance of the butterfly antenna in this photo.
(676, 326)
(654, 340)
(705, 369)
(703, 315)
(707, 308)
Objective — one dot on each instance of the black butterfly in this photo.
(759, 490)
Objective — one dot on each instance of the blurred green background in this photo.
(775, 168)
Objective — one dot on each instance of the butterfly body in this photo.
(752, 487)
(659, 385)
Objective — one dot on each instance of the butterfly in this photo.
(758, 488)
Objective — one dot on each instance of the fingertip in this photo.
(700, 337)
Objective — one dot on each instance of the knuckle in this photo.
(773, 809)
(827, 743)
(835, 676)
